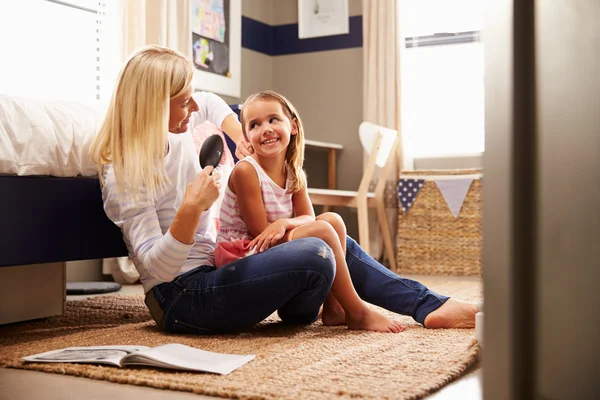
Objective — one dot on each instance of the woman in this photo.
(154, 190)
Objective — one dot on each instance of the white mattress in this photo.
(44, 137)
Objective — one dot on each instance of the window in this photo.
(62, 50)
(442, 77)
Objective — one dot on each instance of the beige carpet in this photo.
(291, 363)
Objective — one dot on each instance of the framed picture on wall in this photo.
(216, 45)
(322, 18)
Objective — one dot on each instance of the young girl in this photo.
(267, 188)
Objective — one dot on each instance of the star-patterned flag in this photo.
(408, 189)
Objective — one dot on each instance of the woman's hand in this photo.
(243, 148)
(203, 191)
(200, 194)
(270, 236)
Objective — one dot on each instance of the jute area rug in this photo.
(291, 362)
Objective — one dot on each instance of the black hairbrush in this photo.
(211, 151)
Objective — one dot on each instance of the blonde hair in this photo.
(134, 134)
(294, 157)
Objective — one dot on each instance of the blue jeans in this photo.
(293, 279)
(378, 285)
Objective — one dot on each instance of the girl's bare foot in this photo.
(371, 320)
(452, 314)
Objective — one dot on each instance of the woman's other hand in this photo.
(232, 128)
(243, 148)
(203, 191)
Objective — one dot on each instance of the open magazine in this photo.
(172, 356)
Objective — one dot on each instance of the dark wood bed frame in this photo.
(51, 219)
(45, 222)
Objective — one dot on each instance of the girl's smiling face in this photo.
(268, 128)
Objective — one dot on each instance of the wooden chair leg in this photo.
(385, 231)
(389, 245)
(331, 179)
(363, 223)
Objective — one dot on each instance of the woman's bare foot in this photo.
(452, 314)
(333, 314)
(371, 320)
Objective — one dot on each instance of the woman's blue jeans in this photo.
(293, 279)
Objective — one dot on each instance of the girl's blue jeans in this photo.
(293, 279)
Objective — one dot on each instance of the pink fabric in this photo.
(227, 252)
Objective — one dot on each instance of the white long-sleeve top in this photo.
(145, 223)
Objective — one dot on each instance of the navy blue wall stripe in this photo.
(283, 39)
(257, 36)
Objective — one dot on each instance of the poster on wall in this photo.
(322, 18)
(216, 45)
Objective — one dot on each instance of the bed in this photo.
(45, 222)
(50, 203)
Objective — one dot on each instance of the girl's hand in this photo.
(269, 236)
(243, 148)
(203, 191)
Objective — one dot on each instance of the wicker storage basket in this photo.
(430, 240)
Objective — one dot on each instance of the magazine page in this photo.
(179, 356)
(89, 354)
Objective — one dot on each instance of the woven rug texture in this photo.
(311, 362)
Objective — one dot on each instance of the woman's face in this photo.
(180, 110)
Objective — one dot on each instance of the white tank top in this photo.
(277, 202)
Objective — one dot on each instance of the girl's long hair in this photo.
(134, 134)
(294, 157)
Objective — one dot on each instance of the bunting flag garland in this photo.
(408, 189)
(454, 192)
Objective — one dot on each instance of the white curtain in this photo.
(381, 96)
(141, 22)
(163, 22)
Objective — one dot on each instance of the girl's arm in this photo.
(279, 231)
(245, 184)
(303, 208)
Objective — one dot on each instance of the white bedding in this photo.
(44, 137)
